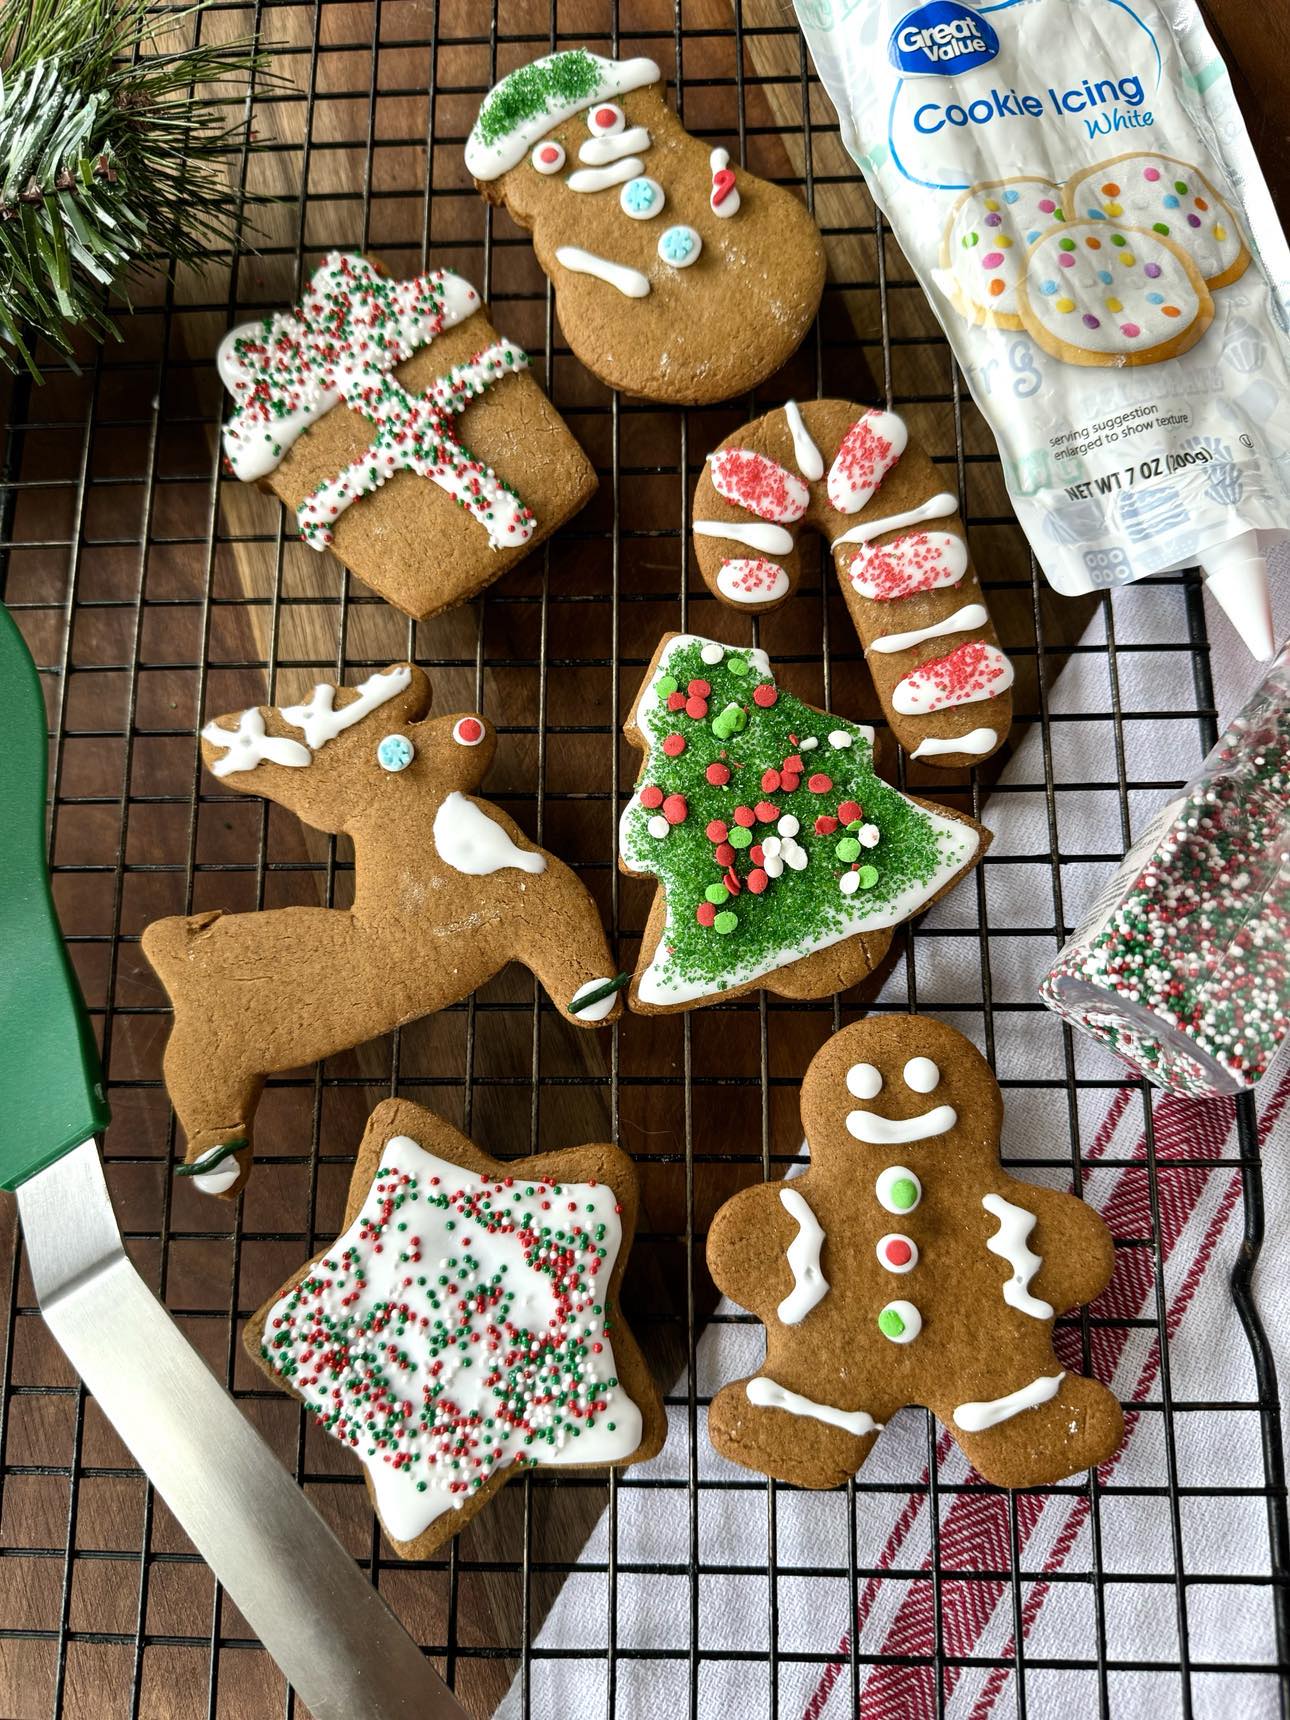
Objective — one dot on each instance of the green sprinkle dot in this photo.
(1180, 186)
(725, 923)
(1067, 244)
(739, 837)
(1119, 239)
(848, 849)
(716, 894)
(890, 1323)
(1162, 227)
(903, 1193)
(868, 877)
(666, 684)
(737, 665)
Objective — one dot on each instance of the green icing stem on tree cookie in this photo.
(767, 826)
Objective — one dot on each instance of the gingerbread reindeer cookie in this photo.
(783, 859)
(447, 891)
(678, 276)
(465, 1325)
(403, 431)
(904, 1266)
(899, 548)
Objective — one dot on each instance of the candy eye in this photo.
(864, 1081)
(468, 731)
(922, 1075)
(548, 157)
(605, 120)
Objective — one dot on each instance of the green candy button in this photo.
(903, 1193)
(667, 684)
(868, 877)
(848, 849)
(725, 923)
(890, 1324)
(739, 837)
(737, 665)
(717, 894)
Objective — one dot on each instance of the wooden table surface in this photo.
(166, 609)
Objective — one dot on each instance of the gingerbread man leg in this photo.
(1070, 1423)
(764, 1425)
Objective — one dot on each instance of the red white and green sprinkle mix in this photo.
(457, 1327)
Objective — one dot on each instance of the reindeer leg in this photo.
(560, 939)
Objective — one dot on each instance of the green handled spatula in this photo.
(339, 1645)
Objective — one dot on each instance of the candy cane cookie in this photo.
(1170, 198)
(1103, 293)
(853, 475)
(983, 253)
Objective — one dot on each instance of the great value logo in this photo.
(942, 38)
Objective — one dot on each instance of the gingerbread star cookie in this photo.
(784, 861)
(465, 1325)
(854, 476)
(904, 1266)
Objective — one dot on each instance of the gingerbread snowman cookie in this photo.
(904, 1266)
(465, 1325)
(403, 431)
(447, 891)
(679, 277)
(784, 861)
(899, 548)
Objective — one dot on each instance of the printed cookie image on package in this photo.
(988, 234)
(783, 860)
(447, 891)
(904, 1266)
(1170, 198)
(852, 475)
(679, 277)
(404, 432)
(465, 1325)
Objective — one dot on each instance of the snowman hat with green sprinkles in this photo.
(533, 99)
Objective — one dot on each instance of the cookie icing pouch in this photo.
(1075, 186)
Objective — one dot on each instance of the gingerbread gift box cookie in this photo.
(447, 892)
(904, 1266)
(854, 476)
(465, 1325)
(783, 860)
(402, 430)
(679, 276)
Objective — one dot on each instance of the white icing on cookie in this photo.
(629, 282)
(745, 580)
(921, 1075)
(864, 1081)
(876, 1130)
(977, 1417)
(974, 672)
(593, 1011)
(467, 839)
(1168, 197)
(869, 450)
(1112, 291)
(965, 620)
(767, 1395)
(978, 742)
(803, 1254)
(723, 199)
(758, 484)
(603, 178)
(600, 151)
(249, 745)
(810, 462)
(320, 719)
(920, 561)
(768, 539)
(938, 507)
(992, 229)
(1011, 1243)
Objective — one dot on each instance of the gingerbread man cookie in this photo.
(403, 430)
(678, 276)
(784, 861)
(465, 1325)
(900, 552)
(447, 891)
(1169, 198)
(905, 1267)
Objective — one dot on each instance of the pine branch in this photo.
(112, 157)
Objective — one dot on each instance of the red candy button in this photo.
(676, 701)
(849, 811)
(790, 783)
(652, 796)
(675, 809)
(765, 695)
(718, 775)
(824, 825)
(820, 784)
(717, 831)
(770, 781)
(767, 812)
(744, 815)
(757, 881)
(705, 913)
(469, 732)
(724, 854)
(698, 689)
(696, 708)
(674, 746)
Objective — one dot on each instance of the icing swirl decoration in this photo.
(810, 1286)
(1011, 1242)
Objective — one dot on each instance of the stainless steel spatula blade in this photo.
(336, 1640)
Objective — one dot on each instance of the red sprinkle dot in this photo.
(651, 796)
(718, 775)
(770, 781)
(820, 784)
(849, 811)
(698, 689)
(674, 746)
(724, 854)
(696, 708)
(717, 830)
(767, 812)
(824, 825)
(744, 815)
(470, 730)
(756, 854)
(732, 881)
(757, 881)
(765, 695)
(790, 783)
(705, 913)
(794, 764)
(675, 809)
(899, 1253)
(676, 701)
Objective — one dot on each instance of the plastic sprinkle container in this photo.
(1183, 968)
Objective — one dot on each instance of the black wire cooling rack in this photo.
(154, 590)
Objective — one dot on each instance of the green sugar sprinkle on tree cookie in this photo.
(766, 825)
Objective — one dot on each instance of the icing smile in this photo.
(879, 1131)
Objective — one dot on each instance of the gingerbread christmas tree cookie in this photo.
(403, 431)
(855, 477)
(783, 859)
(679, 276)
(904, 1266)
(465, 1325)
(447, 891)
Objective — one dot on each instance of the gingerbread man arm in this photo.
(748, 1243)
(1068, 1236)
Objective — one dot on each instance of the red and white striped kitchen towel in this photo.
(1181, 1232)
